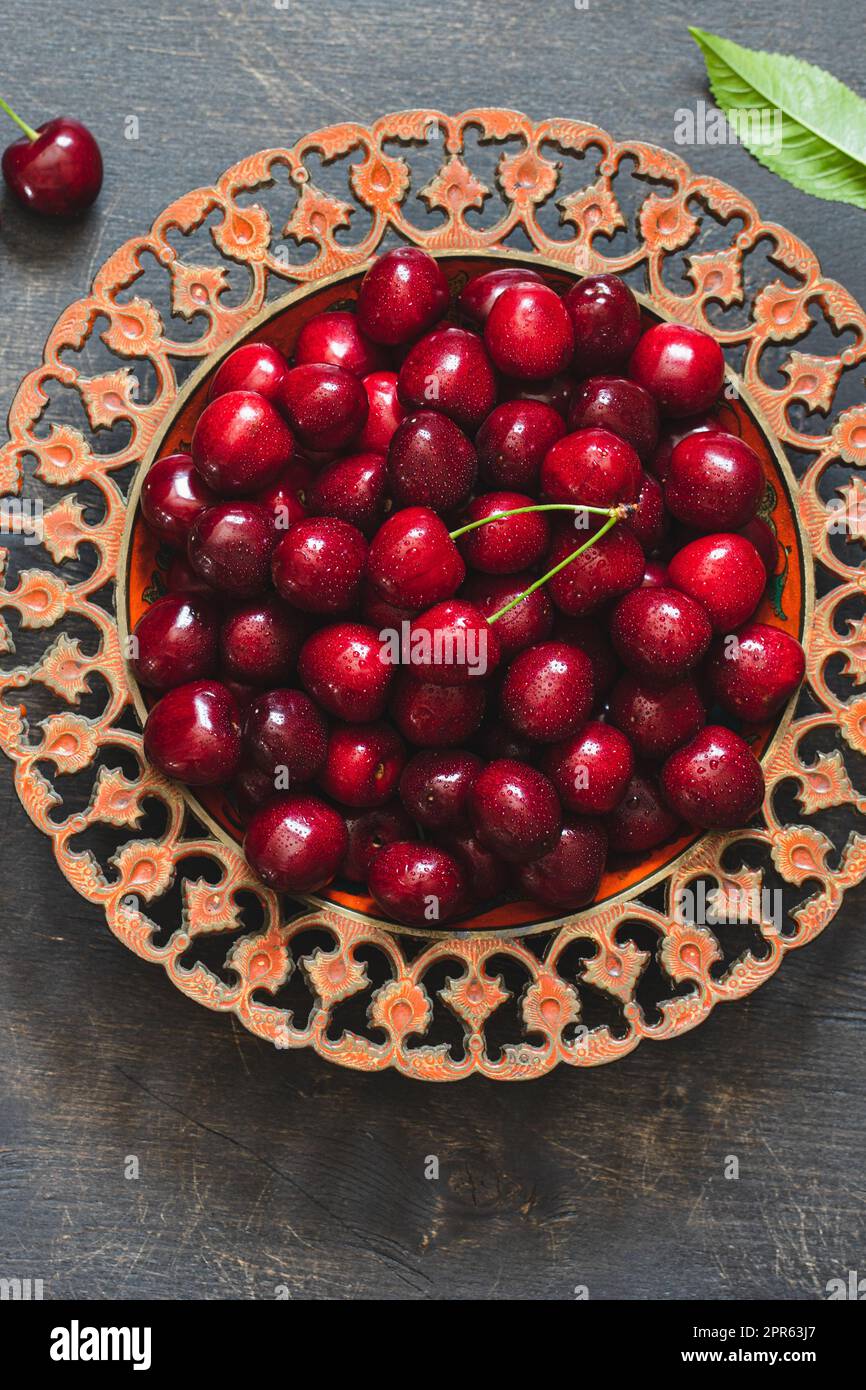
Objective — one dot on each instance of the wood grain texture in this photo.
(260, 1169)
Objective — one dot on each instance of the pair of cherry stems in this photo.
(613, 514)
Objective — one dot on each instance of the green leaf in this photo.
(821, 122)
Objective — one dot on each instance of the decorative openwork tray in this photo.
(509, 996)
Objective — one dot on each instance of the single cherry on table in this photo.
(55, 169)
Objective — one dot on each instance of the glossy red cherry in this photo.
(481, 293)
(385, 412)
(610, 567)
(363, 764)
(435, 787)
(452, 643)
(318, 565)
(655, 575)
(325, 406)
(593, 467)
(592, 769)
(286, 736)
(724, 573)
(173, 495)
(528, 333)
(402, 295)
(763, 538)
(286, 498)
(548, 691)
(715, 482)
(556, 391)
(413, 561)
(431, 463)
(682, 368)
(449, 371)
(755, 673)
(175, 641)
(259, 641)
(230, 547)
(194, 734)
(659, 464)
(528, 622)
(506, 546)
(335, 339)
(345, 668)
(513, 441)
(593, 641)
(605, 317)
(567, 876)
(614, 403)
(515, 811)
(656, 719)
(296, 843)
(56, 169)
(649, 520)
(369, 832)
(417, 883)
(240, 444)
(641, 821)
(487, 875)
(352, 489)
(715, 781)
(436, 716)
(660, 634)
(253, 367)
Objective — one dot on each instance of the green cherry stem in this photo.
(613, 512)
(28, 130)
(512, 603)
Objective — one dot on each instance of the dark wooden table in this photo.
(260, 1169)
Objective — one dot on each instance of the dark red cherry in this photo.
(528, 333)
(296, 843)
(325, 406)
(755, 673)
(436, 716)
(592, 467)
(486, 874)
(591, 770)
(605, 318)
(363, 765)
(724, 573)
(641, 821)
(530, 621)
(286, 499)
(655, 575)
(402, 295)
(452, 643)
(649, 520)
(763, 538)
(682, 368)
(250, 790)
(175, 641)
(230, 547)
(567, 876)
(431, 463)
(500, 741)
(513, 441)
(660, 634)
(413, 561)
(417, 884)
(506, 546)
(242, 694)
(592, 639)
(56, 169)
(260, 640)
(435, 788)
(345, 668)
(240, 444)
(194, 734)
(369, 832)
(335, 339)
(610, 567)
(614, 403)
(481, 293)
(254, 367)
(172, 496)
(515, 811)
(659, 464)
(548, 691)
(715, 781)
(656, 719)
(715, 482)
(449, 371)
(556, 392)
(318, 565)
(182, 578)
(385, 412)
(352, 489)
(286, 736)
(381, 614)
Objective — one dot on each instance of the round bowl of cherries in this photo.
(448, 594)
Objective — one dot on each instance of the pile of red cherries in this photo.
(458, 610)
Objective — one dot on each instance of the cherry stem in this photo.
(28, 130)
(612, 512)
(612, 518)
